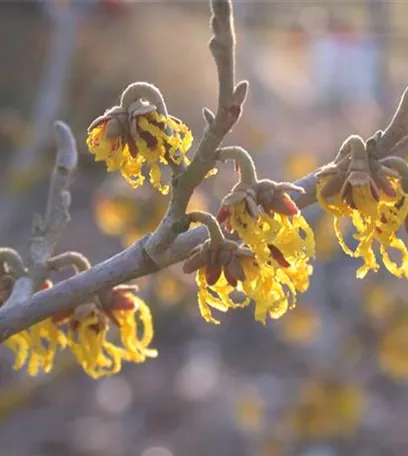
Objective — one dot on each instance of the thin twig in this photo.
(211, 223)
(69, 260)
(242, 159)
(47, 230)
(13, 261)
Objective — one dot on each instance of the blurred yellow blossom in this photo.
(301, 325)
(250, 411)
(124, 213)
(393, 348)
(168, 287)
(299, 164)
(327, 408)
(379, 301)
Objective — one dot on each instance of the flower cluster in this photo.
(369, 193)
(84, 331)
(274, 264)
(36, 346)
(135, 133)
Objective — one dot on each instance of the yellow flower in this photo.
(374, 221)
(327, 408)
(271, 290)
(392, 353)
(129, 138)
(35, 348)
(250, 411)
(284, 242)
(120, 211)
(88, 330)
(268, 221)
(301, 325)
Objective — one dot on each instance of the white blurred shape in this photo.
(199, 376)
(157, 451)
(91, 434)
(114, 395)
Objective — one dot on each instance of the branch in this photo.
(13, 261)
(230, 102)
(47, 231)
(64, 24)
(243, 161)
(213, 227)
(69, 260)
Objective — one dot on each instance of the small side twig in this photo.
(242, 159)
(13, 261)
(47, 230)
(211, 223)
(69, 259)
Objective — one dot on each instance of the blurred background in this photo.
(329, 378)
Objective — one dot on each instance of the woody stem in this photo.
(242, 159)
(216, 235)
(69, 259)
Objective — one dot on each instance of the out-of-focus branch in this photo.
(47, 230)
(65, 22)
(24, 161)
(230, 101)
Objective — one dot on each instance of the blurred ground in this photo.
(330, 377)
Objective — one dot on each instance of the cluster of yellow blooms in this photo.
(371, 195)
(271, 269)
(84, 331)
(128, 138)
